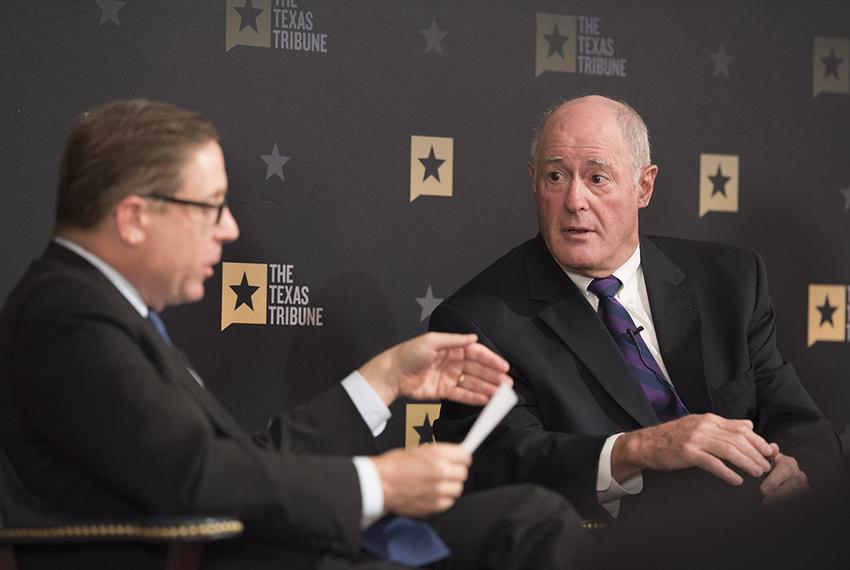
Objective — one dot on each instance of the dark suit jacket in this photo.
(100, 416)
(714, 321)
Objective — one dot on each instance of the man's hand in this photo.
(785, 479)
(424, 480)
(696, 440)
(434, 366)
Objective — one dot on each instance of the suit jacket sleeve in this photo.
(784, 411)
(521, 449)
(106, 393)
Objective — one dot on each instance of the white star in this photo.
(428, 304)
(846, 192)
(109, 10)
(721, 61)
(274, 163)
(433, 37)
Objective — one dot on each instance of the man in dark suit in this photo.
(101, 415)
(633, 356)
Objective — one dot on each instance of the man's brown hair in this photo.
(125, 147)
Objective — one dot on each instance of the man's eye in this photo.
(555, 176)
(597, 178)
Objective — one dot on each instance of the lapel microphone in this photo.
(633, 332)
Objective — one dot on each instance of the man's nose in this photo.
(227, 230)
(575, 197)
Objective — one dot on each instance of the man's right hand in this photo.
(696, 440)
(424, 480)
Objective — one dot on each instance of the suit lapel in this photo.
(175, 361)
(676, 316)
(573, 320)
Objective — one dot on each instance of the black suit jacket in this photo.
(100, 416)
(715, 326)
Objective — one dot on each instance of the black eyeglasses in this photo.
(219, 208)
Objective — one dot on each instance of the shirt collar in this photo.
(626, 273)
(119, 281)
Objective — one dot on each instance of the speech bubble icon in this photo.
(244, 293)
(249, 23)
(827, 313)
(431, 166)
(718, 183)
(419, 419)
(831, 66)
(555, 43)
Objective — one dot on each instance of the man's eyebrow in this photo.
(549, 159)
(599, 162)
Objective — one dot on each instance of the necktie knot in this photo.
(157, 323)
(605, 286)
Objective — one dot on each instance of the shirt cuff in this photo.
(608, 490)
(370, 405)
(371, 491)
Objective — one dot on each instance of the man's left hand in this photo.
(785, 479)
(434, 366)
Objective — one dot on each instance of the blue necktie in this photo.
(157, 323)
(404, 541)
(664, 400)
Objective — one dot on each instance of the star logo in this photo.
(433, 37)
(109, 10)
(244, 291)
(249, 23)
(721, 61)
(432, 165)
(846, 193)
(274, 163)
(827, 313)
(555, 48)
(419, 424)
(719, 182)
(248, 15)
(425, 431)
(556, 42)
(830, 64)
(428, 303)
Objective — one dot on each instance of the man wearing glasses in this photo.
(102, 415)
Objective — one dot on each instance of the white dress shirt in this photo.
(365, 399)
(632, 295)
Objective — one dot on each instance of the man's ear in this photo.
(131, 219)
(531, 175)
(646, 185)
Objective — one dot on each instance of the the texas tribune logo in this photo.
(575, 44)
(265, 293)
(282, 24)
(828, 313)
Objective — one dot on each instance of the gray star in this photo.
(718, 182)
(248, 15)
(433, 37)
(428, 304)
(109, 10)
(274, 163)
(432, 165)
(721, 61)
(831, 64)
(556, 42)
(846, 192)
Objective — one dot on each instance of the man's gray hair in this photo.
(632, 124)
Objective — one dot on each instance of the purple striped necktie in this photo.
(658, 391)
